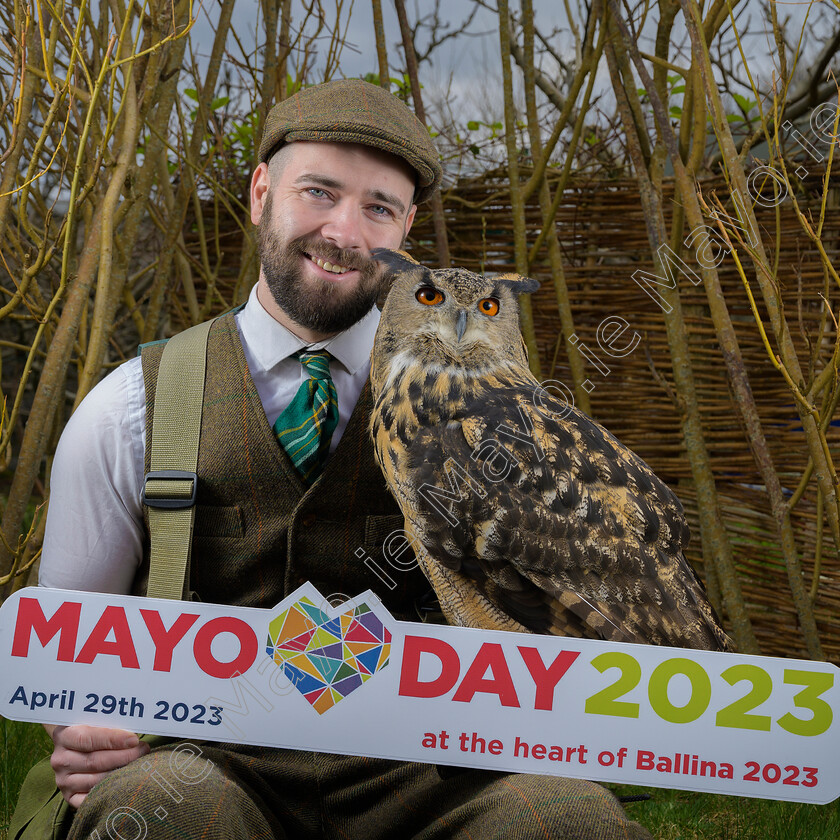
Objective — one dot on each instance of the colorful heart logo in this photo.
(328, 658)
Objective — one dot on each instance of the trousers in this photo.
(229, 791)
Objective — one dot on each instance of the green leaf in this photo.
(473, 125)
(743, 102)
(475, 150)
(734, 118)
(678, 89)
(675, 111)
(219, 102)
(497, 126)
(192, 94)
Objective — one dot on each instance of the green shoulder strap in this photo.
(171, 484)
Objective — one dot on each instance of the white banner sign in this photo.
(355, 680)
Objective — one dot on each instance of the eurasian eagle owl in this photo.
(525, 513)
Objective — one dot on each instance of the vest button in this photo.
(308, 520)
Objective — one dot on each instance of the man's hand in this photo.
(84, 755)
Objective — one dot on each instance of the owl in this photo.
(523, 512)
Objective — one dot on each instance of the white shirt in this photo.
(94, 532)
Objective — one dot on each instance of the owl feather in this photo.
(524, 513)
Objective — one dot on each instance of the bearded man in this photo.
(342, 168)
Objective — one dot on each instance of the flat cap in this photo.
(355, 111)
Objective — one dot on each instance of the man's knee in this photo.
(169, 792)
(571, 809)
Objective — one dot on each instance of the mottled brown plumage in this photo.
(527, 515)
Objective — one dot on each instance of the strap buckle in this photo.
(170, 499)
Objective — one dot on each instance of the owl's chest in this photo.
(399, 415)
(422, 398)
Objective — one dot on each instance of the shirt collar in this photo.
(270, 342)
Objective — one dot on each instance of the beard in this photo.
(313, 302)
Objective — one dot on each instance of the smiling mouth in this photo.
(328, 266)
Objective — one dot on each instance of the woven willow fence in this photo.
(603, 240)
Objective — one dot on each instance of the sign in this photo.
(354, 680)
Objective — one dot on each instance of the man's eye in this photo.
(379, 210)
(317, 192)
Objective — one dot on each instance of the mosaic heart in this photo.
(328, 658)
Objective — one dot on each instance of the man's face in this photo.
(327, 206)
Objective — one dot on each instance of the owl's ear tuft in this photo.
(518, 284)
(398, 264)
(395, 260)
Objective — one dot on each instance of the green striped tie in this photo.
(305, 427)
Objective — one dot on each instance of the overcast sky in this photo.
(470, 67)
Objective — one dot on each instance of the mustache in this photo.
(316, 246)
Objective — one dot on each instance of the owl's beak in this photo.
(461, 323)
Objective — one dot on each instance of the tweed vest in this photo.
(259, 531)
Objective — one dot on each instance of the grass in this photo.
(684, 815)
(21, 746)
(668, 814)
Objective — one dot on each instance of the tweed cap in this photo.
(355, 111)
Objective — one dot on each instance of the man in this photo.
(342, 167)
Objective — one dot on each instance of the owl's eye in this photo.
(429, 295)
(489, 306)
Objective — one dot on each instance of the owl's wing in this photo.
(556, 523)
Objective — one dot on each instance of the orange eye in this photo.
(429, 295)
(489, 306)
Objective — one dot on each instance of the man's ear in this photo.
(409, 220)
(259, 192)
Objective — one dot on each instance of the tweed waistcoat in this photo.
(259, 532)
